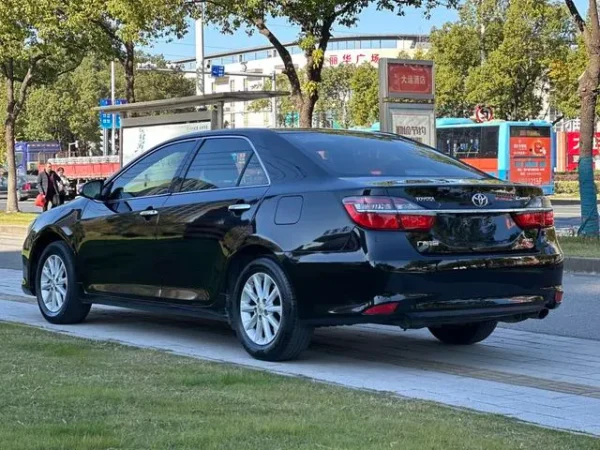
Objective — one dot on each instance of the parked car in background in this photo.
(27, 187)
(280, 231)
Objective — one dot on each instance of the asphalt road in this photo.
(25, 206)
(577, 317)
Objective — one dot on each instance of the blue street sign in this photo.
(217, 71)
(106, 118)
(120, 101)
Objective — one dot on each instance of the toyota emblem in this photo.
(480, 200)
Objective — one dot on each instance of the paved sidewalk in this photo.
(548, 380)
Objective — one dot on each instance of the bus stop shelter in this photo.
(149, 125)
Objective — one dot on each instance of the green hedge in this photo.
(570, 187)
(572, 176)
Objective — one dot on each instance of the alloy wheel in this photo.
(53, 283)
(261, 308)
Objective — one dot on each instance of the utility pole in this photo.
(200, 54)
(112, 102)
(481, 32)
(274, 100)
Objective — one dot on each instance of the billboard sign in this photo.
(530, 160)
(406, 79)
(137, 140)
(416, 124)
(573, 150)
(406, 94)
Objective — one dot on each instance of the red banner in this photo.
(573, 149)
(410, 79)
(530, 160)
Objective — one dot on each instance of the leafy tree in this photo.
(588, 94)
(39, 40)
(121, 25)
(63, 111)
(285, 105)
(364, 104)
(499, 53)
(335, 94)
(315, 19)
(564, 76)
(514, 76)
(455, 51)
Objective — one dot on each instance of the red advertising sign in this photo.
(573, 149)
(410, 79)
(530, 160)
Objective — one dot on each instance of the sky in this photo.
(371, 21)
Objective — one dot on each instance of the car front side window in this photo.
(153, 174)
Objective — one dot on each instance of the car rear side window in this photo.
(224, 163)
(369, 155)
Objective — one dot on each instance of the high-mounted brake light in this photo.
(388, 213)
(537, 219)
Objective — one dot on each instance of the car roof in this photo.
(264, 131)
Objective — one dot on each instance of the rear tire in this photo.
(58, 298)
(466, 334)
(263, 293)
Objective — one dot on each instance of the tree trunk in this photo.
(128, 65)
(12, 204)
(307, 109)
(587, 188)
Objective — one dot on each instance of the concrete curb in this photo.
(582, 265)
(13, 231)
(565, 201)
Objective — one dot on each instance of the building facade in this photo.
(265, 60)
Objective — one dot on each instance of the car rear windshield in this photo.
(369, 155)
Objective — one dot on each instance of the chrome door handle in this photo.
(239, 207)
(149, 212)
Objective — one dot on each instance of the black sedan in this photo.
(280, 231)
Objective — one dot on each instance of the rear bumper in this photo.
(339, 294)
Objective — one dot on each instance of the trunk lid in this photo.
(472, 216)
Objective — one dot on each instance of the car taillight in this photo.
(387, 213)
(538, 219)
(27, 187)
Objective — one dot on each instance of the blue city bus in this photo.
(29, 155)
(521, 152)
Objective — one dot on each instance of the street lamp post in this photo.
(200, 54)
(112, 102)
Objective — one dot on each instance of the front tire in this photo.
(264, 313)
(56, 287)
(466, 334)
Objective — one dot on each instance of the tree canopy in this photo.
(499, 53)
(39, 41)
(315, 20)
(63, 110)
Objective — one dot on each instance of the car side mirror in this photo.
(92, 189)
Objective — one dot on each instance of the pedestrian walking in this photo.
(63, 185)
(48, 186)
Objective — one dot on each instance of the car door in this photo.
(117, 253)
(208, 218)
